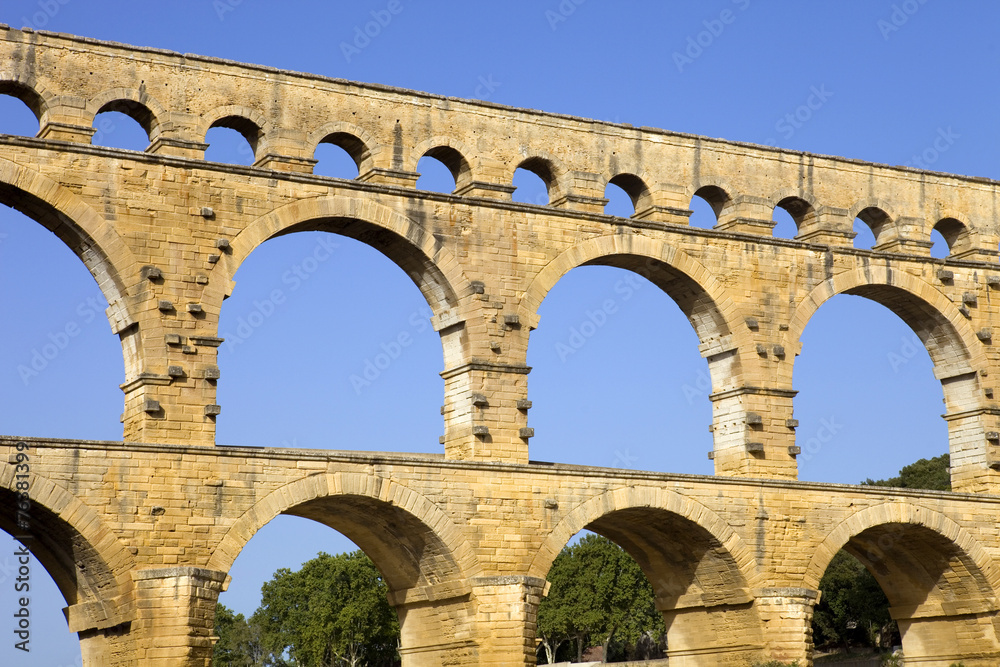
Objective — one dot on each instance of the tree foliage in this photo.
(333, 612)
(931, 474)
(598, 595)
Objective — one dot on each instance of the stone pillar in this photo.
(712, 635)
(939, 637)
(103, 629)
(175, 615)
(904, 235)
(747, 214)
(786, 616)
(754, 433)
(506, 618)
(829, 226)
(435, 628)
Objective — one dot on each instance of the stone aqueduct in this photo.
(139, 535)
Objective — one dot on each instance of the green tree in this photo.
(598, 594)
(931, 474)
(238, 644)
(331, 612)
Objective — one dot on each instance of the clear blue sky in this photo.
(893, 76)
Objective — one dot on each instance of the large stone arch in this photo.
(424, 557)
(90, 236)
(701, 570)
(948, 336)
(88, 562)
(703, 299)
(430, 265)
(941, 583)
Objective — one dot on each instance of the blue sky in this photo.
(885, 78)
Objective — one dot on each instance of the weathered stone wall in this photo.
(140, 536)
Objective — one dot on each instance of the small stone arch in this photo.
(719, 194)
(137, 104)
(956, 234)
(254, 127)
(547, 167)
(26, 91)
(636, 186)
(878, 214)
(357, 141)
(453, 154)
(801, 206)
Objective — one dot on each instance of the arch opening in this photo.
(418, 563)
(65, 364)
(707, 205)
(950, 237)
(693, 573)
(636, 195)
(63, 568)
(869, 224)
(435, 175)
(616, 316)
(233, 140)
(20, 109)
(873, 390)
(790, 214)
(931, 591)
(533, 180)
(124, 124)
(340, 155)
(345, 376)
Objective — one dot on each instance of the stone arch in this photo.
(137, 104)
(702, 298)
(800, 205)
(254, 127)
(956, 234)
(905, 513)
(719, 193)
(425, 559)
(91, 238)
(636, 186)
(87, 561)
(429, 264)
(358, 142)
(25, 90)
(547, 167)
(878, 214)
(941, 583)
(701, 570)
(949, 338)
(355, 494)
(456, 156)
